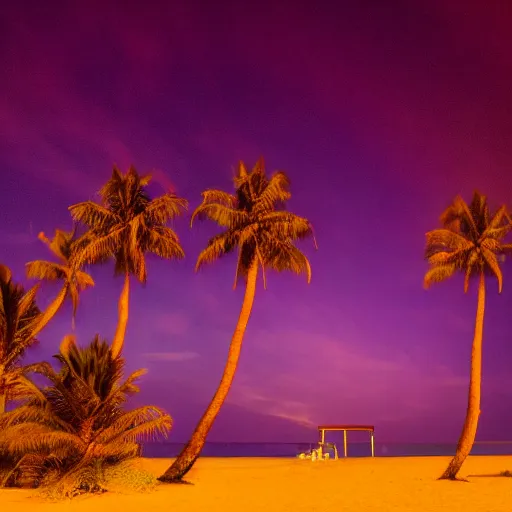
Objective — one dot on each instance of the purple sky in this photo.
(379, 111)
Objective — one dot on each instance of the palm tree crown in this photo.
(18, 316)
(127, 224)
(255, 224)
(18, 312)
(470, 241)
(62, 246)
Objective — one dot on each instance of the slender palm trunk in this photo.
(467, 437)
(3, 391)
(123, 308)
(51, 310)
(192, 449)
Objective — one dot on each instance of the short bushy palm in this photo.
(69, 432)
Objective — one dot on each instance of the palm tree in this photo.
(262, 233)
(19, 315)
(74, 280)
(471, 242)
(69, 432)
(127, 225)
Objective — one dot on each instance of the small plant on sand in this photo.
(68, 435)
(127, 477)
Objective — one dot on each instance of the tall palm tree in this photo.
(470, 241)
(262, 234)
(125, 226)
(19, 316)
(77, 424)
(74, 280)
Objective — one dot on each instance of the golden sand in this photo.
(266, 484)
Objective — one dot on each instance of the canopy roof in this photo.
(369, 428)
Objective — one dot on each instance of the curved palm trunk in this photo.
(51, 310)
(185, 460)
(122, 307)
(467, 437)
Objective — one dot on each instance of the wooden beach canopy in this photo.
(345, 428)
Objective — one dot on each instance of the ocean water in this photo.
(357, 449)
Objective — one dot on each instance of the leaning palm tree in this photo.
(70, 432)
(125, 226)
(262, 234)
(471, 242)
(19, 316)
(74, 280)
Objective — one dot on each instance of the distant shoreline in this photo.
(355, 449)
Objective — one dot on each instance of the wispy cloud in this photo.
(318, 378)
(174, 323)
(7, 238)
(294, 410)
(170, 356)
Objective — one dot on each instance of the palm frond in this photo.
(100, 246)
(144, 421)
(283, 255)
(33, 437)
(218, 246)
(287, 225)
(5, 274)
(93, 215)
(19, 387)
(277, 191)
(214, 196)
(498, 233)
(446, 239)
(27, 302)
(493, 266)
(36, 413)
(164, 242)
(19, 315)
(456, 258)
(498, 219)
(46, 270)
(44, 369)
(438, 273)
(120, 451)
(82, 280)
(470, 268)
(223, 215)
(60, 244)
(459, 216)
(164, 208)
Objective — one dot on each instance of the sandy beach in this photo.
(267, 484)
